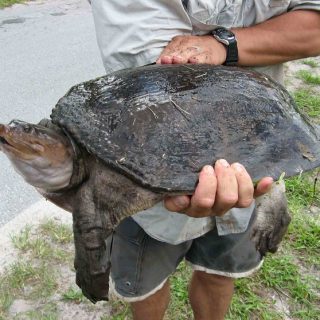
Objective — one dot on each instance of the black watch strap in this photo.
(228, 39)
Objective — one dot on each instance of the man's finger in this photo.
(177, 203)
(227, 188)
(164, 60)
(204, 196)
(263, 186)
(179, 55)
(166, 54)
(245, 186)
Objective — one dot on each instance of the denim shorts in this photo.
(140, 265)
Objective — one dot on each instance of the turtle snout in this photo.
(3, 133)
(3, 129)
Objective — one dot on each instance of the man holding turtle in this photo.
(214, 235)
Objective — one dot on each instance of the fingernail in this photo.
(180, 202)
(239, 167)
(224, 163)
(208, 169)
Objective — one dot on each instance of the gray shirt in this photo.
(133, 33)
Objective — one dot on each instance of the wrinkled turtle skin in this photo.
(137, 135)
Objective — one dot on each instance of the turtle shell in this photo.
(159, 125)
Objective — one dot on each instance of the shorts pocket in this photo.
(128, 247)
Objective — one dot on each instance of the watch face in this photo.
(224, 33)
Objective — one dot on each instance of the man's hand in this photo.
(219, 189)
(193, 49)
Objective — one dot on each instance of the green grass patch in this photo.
(8, 3)
(120, 310)
(304, 231)
(308, 77)
(303, 190)
(179, 307)
(48, 312)
(34, 276)
(22, 240)
(26, 281)
(282, 273)
(6, 299)
(310, 62)
(44, 250)
(58, 232)
(304, 235)
(247, 302)
(308, 102)
(73, 294)
(307, 314)
(40, 247)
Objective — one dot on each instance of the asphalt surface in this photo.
(45, 48)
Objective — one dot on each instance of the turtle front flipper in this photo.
(91, 263)
(101, 202)
(91, 257)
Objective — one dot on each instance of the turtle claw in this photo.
(96, 289)
(272, 219)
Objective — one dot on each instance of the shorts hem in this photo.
(113, 290)
(235, 275)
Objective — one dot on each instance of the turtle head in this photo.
(43, 156)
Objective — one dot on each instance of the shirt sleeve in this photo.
(133, 33)
(304, 5)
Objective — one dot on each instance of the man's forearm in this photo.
(287, 37)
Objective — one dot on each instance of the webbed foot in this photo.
(272, 219)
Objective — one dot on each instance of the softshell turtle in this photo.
(119, 144)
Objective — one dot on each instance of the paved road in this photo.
(45, 48)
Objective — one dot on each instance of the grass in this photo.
(33, 277)
(8, 3)
(249, 303)
(311, 63)
(303, 190)
(49, 312)
(23, 279)
(74, 295)
(58, 232)
(21, 241)
(283, 274)
(308, 102)
(179, 307)
(39, 246)
(308, 77)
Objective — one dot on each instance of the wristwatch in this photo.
(228, 39)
